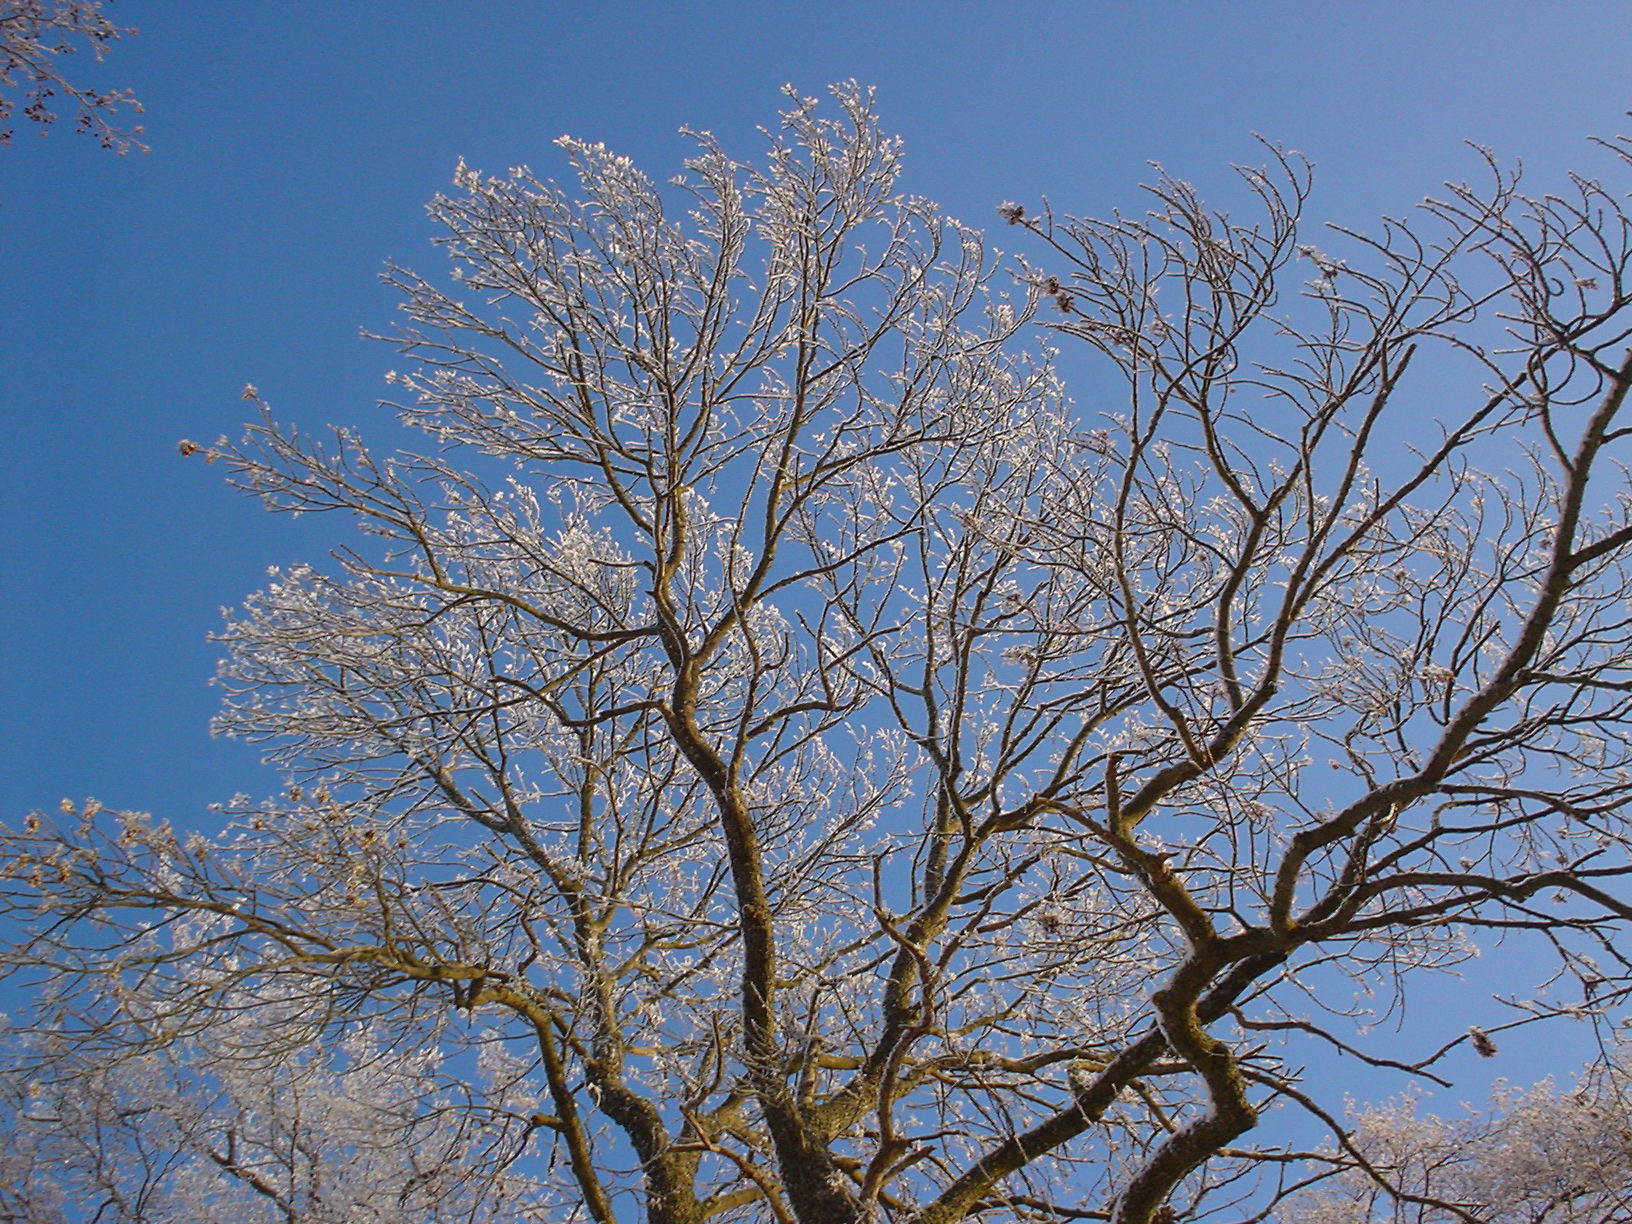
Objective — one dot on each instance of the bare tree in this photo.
(34, 36)
(858, 784)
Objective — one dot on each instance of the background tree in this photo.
(853, 782)
(234, 1127)
(34, 36)
(1537, 1156)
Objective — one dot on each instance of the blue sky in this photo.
(294, 145)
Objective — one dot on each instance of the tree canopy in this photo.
(767, 753)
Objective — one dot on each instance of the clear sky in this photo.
(294, 144)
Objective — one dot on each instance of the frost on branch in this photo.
(35, 35)
(834, 777)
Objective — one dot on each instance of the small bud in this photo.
(1482, 1044)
